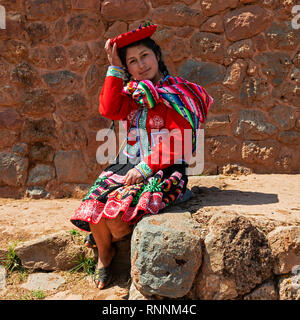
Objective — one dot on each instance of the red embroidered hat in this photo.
(140, 33)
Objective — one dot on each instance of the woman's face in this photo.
(142, 63)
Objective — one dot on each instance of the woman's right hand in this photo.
(112, 54)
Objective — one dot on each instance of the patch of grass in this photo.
(86, 264)
(34, 295)
(12, 261)
(74, 232)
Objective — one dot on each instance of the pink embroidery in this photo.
(156, 122)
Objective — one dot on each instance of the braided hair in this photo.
(149, 43)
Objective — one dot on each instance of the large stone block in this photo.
(246, 22)
(225, 100)
(38, 130)
(40, 175)
(13, 51)
(85, 26)
(124, 9)
(58, 251)
(70, 167)
(13, 169)
(74, 107)
(283, 116)
(38, 102)
(25, 75)
(282, 36)
(285, 246)
(288, 92)
(204, 73)
(79, 57)
(50, 58)
(63, 81)
(222, 149)
(260, 152)
(290, 137)
(208, 46)
(237, 258)
(10, 119)
(276, 65)
(73, 136)
(255, 92)
(165, 254)
(9, 95)
(212, 7)
(45, 9)
(177, 15)
(253, 125)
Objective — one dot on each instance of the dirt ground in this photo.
(273, 199)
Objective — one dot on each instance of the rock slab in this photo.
(237, 258)
(53, 252)
(43, 281)
(165, 254)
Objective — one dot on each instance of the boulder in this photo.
(237, 258)
(266, 291)
(285, 245)
(58, 251)
(165, 254)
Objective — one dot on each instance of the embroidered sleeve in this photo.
(115, 71)
(144, 169)
(113, 103)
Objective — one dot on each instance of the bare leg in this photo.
(106, 232)
(103, 241)
(118, 228)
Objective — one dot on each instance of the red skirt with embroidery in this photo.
(109, 197)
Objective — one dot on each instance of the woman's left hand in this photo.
(133, 176)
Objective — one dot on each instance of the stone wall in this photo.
(52, 66)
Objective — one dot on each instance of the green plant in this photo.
(38, 294)
(35, 294)
(87, 264)
(74, 232)
(12, 261)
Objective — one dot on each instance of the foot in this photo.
(102, 277)
(103, 273)
(89, 241)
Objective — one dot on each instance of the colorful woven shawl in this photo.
(189, 99)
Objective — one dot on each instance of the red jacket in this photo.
(116, 105)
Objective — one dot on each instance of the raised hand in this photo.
(112, 54)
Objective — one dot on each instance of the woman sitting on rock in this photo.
(159, 112)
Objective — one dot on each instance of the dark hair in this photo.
(149, 43)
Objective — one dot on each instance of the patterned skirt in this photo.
(109, 197)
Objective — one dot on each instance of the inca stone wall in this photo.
(52, 66)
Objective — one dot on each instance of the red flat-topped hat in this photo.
(140, 33)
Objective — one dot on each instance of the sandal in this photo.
(102, 277)
(89, 241)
